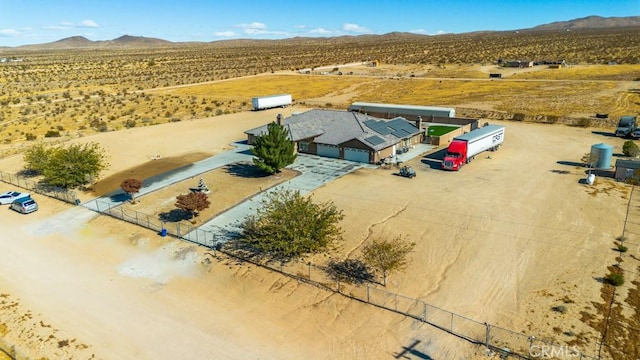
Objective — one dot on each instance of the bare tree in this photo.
(387, 254)
(131, 187)
(193, 202)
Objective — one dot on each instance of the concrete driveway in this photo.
(315, 171)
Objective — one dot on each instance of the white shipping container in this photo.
(268, 102)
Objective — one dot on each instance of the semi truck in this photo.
(626, 126)
(272, 101)
(464, 148)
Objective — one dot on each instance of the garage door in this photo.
(358, 155)
(328, 151)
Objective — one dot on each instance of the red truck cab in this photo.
(456, 155)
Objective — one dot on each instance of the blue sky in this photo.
(38, 21)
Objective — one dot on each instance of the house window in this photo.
(303, 146)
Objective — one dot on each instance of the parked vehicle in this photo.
(9, 196)
(626, 126)
(636, 134)
(464, 148)
(24, 205)
(273, 101)
(407, 171)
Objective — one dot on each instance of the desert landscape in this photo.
(515, 239)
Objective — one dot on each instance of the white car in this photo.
(10, 196)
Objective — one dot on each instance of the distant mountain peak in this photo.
(591, 22)
(74, 39)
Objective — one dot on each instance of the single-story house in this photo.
(627, 169)
(346, 135)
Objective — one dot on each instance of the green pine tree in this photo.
(273, 150)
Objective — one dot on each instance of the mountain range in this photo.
(128, 41)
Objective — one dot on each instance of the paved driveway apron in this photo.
(315, 171)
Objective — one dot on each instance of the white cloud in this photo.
(9, 32)
(66, 25)
(321, 31)
(253, 26)
(88, 23)
(440, 32)
(354, 28)
(418, 31)
(56, 27)
(224, 33)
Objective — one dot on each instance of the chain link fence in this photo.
(505, 342)
(40, 188)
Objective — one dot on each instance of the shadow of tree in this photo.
(351, 271)
(120, 197)
(175, 215)
(245, 170)
(28, 173)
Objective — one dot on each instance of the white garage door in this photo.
(358, 155)
(328, 151)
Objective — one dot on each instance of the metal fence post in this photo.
(486, 342)
(451, 322)
(309, 266)
(424, 311)
(368, 296)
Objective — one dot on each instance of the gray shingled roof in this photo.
(334, 127)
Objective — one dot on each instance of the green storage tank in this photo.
(601, 155)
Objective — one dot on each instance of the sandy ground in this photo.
(500, 241)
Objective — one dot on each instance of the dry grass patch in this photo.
(622, 72)
(229, 186)
(299, 86)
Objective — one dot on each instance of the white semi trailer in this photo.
(464, 148)
(272, 101)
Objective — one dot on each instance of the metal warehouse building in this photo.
(409, 112)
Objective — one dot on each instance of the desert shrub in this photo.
(552, 119)
(629, 148)
(615, 279)
(584, 122)
(130, 123)
(30, 136)
(52, 133)
(562, 309)
(519, 117)
(288, 225)
(621, 248)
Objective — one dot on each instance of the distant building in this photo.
(518, 64)
(626, 169)
(410, 112)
